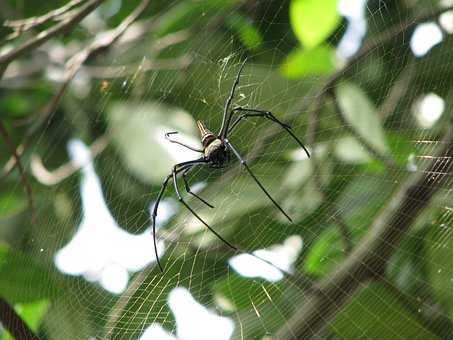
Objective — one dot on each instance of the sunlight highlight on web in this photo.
(354, 12)
(424, 38)
(428, 109)
(100, 250)
(282, 256)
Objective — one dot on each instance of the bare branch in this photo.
(102, 41)
(23, 176)
(23, 25)
(47, 177)
(14, 323)
(370, 258)
(146, 65)
(42, 37)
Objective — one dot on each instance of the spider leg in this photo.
(175, 183)
(226, 114)
(167, 137)
(186, 184)
(244, 163)
(264, 114)
(159, 197)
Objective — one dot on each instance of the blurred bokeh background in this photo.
(88, 89)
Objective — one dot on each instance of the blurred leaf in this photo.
(439, 259)
(12, 202)
(67, 318)
(15, 105)
(408, 266)
(326, 253)
(181, 16)
(247, 32)
(31, 313)
(308, 62)
(313, 21)
(376, 313)
(349, 150)
(245, 293)
(361, 114)
(138, 134)
(22, 280)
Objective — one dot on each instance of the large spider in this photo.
(216, 154)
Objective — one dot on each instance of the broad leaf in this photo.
(308, 62)
(138, 132)
(313, 20)
(361, 114)
(247, 32)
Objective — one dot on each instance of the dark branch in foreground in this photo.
(368, 261)
(23, 177)
(11, 321)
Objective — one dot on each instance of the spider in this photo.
(216, 154)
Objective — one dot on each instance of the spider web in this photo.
(208, 291)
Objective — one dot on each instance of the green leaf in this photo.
(245, 294)
(12, 202)
(247, 32)
(349, 150)
(325, 253)
(439, 259)
(308, 62)
(138, 134)
(361, 114)
(313, 21)
(22, 280)
(376, 313)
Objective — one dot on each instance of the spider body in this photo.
(216, 153)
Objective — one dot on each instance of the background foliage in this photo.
(175, 66)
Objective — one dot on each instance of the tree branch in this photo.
(23, 176)
(14, 323)
(370, 258)
(101, 42)
(23, 25)
(42, 37)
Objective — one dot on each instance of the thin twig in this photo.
(101, 42)
(369, 260)
(23, 25)
(47, 177)
(23, 176)
(12, 322)
(41, 38)
(105, 72)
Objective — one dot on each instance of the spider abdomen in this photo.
(216, 153)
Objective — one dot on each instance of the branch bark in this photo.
(370, 258)
(14, 323)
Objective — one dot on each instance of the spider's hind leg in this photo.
(186, 184)
(178, 194)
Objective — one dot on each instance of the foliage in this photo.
(177, 70)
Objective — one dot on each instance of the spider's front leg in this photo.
(263, 114)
